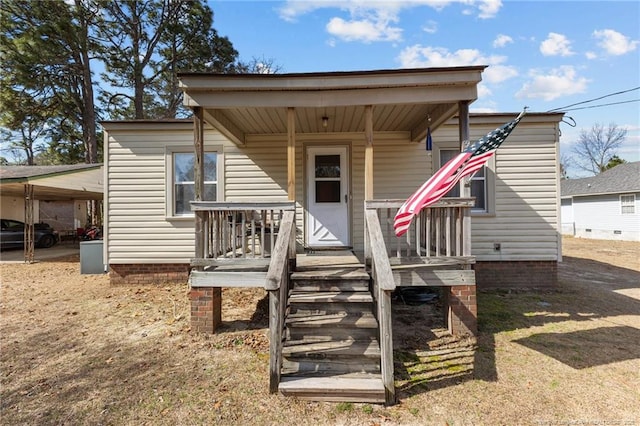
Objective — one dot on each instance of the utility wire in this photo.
(602, 105)
(595, 99)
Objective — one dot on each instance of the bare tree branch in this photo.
(595, 147)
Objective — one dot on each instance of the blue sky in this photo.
(544, 55)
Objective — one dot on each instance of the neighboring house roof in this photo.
(12, 173)
(66, 182)
(623, 178)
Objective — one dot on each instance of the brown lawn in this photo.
(75, 350)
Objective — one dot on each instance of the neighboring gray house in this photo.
(606, 206)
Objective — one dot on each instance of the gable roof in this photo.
(623, 178)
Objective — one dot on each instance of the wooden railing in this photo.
(440, 230)
(238, 229)
(278, 286)
(383, 286)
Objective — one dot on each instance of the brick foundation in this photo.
(206, 309)
(513, 274)
(153, 273)
(462, 314)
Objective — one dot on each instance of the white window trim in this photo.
(490, 178)
(631, 202)
(168, 173)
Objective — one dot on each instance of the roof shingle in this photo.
(620, 179)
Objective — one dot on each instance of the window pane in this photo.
(446, 155)
(478, 191)
(211, 167)
(627, 203)
(183, 167)
(327, 191)
(327, 166)
(183, 194)
(210, 192)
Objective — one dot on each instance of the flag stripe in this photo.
(464, 164)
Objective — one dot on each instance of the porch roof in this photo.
(403, 100)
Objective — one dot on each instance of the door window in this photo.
(327, 176)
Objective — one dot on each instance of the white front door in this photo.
(328, 197)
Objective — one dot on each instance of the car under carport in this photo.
(49, 183)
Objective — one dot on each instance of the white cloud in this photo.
(615, 43)
(293, 8)
(502, 40)
(418, 56)
(558, 82)
(368, 29)
(489, 8)
(430, 27)
(483, 91)
(556, 45)
(591, 55)
(481, 110)
(497, 73)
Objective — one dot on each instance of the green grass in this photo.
(344, 407)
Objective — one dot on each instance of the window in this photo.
(628, 204)
(181, 180)
(327, 179)
(479, 187)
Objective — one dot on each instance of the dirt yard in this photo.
(75, 350)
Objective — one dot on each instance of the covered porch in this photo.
(252, 242)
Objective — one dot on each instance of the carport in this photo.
(77, 182)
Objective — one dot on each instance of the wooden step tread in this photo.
(330, 367)
(334, 388)
(331, 274)
(332, 349)
(337, 319)
(330, 296)
(317, 286)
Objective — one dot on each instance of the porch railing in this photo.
(278, 285)
(253, 234)
(440, 230)
(234, 230)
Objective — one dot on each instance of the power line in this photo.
(594, 99)
(602, 105)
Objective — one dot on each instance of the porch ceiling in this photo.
(403, 100)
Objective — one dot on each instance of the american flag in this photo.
(464, 164)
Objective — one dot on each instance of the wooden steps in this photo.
(334, 388)
(331, 350)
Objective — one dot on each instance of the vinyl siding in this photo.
(525, 212)
(599, 216)
(525, 223)
(524, 219)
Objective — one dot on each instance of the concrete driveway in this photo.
(41, 254)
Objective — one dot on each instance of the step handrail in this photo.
(277, 284)
(383, 286)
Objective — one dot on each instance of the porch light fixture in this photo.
(325, 121)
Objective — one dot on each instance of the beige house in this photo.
(324, 160)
